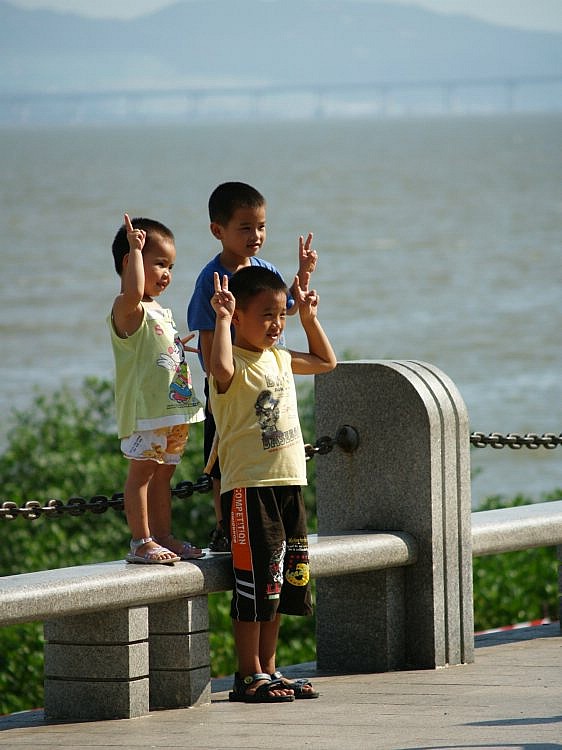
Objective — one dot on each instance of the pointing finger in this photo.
(128, 225)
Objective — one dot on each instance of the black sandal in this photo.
(262, 693)
(297, 686)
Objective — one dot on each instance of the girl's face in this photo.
(159, 256)
(261, 322)
(244, 234)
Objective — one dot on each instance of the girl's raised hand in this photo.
(135, 237)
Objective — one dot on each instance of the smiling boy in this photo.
(262, 456)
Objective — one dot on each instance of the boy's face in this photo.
(159, 256)
(259, 325)
(244, 234)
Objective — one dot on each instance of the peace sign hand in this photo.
(308, 298)
(222, 301)
(308, 257)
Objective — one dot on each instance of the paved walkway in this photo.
(511, 697)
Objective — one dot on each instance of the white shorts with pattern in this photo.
(164, 445)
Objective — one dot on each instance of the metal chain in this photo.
(77, 506)
(516, 441)
(346, 438)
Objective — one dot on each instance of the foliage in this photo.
(21, 667)
(65, 445)
(515, 586)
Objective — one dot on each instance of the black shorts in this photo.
(209, 430)
(269, 544)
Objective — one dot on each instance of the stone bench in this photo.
(123, 639)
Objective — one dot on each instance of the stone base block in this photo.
(91, 701)
(367, 633)
(179, 689)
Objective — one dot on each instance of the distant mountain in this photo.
(272, 42)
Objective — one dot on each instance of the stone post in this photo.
(180, 661)
(410, 473)
(96, 666)
(559, 555)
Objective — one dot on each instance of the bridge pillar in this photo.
(410, 473)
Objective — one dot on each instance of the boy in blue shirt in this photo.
(237, 213)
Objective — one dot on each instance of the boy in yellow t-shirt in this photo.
(261, 452)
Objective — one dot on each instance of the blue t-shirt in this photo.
(200, 313)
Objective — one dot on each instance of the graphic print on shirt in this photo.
(173, 359)
(269, 408)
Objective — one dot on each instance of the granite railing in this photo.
(392, 561)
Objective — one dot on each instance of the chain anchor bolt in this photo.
(347, 438)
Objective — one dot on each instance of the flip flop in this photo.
(150, 556)
(188, 551)
(297, 686)
(262, 693)
(191, 552)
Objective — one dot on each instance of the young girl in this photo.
(154, 398)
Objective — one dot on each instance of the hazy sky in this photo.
(530, 14)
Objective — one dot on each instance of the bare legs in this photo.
(256, 644)
(148, 504)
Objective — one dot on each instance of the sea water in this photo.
(439, 239)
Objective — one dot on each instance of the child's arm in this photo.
(308, 257)
(206, 345)
(320, 356)
(185, 341)
(127, 312)
(221, 363)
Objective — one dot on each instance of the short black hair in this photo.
(250, 281)
(230, 196)
(120, 246)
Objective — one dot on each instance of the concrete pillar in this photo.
(559, 555)
(96, 666)
(410, 473)
(180, 662)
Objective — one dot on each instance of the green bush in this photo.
(515, 586)
(65, 446)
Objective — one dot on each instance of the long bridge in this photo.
(287, 101)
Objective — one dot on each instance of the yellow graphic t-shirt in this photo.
(260, 439)
(152, 379)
